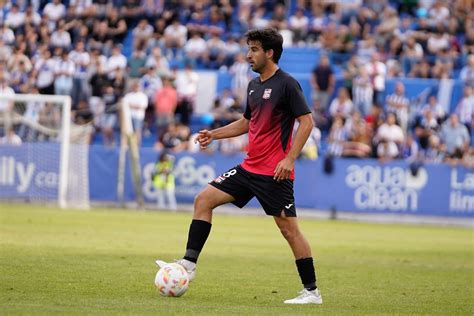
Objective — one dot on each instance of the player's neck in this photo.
(268, 72)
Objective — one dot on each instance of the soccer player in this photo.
(274, 101)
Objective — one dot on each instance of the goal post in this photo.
(44, 124)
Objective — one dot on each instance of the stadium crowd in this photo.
(104, 52)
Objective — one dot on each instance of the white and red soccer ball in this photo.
(172, 280)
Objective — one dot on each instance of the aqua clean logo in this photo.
(385, 188)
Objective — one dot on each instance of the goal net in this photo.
(43, 154)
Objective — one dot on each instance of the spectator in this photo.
(398, 103)
(108, 119)
(195, 49)
(142, 33)
(81, 59)
(98, 82)
(377, 72)
(322, 82)
(138, 102)
(15, 19)
(55, 11)
(362, 92)
(166, 100)
(426, 127)
(298, 24)
(11, 138)
(215, 56)
(437, 109)
(116, 25)
(455, 137)
(63, 72)
(60, 37)
(241, 76)
(116, 61)
(5, 105)
(175, 37)
(136, 65)
(465, 108)
(337, 137)
(159, 61)
(389, 138)
(150, 83)
(341, 106)
(358, 137)
(467, 72)
(187, 86)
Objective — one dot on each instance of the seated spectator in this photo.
(341, 106)
(435, 153)
(175, 37)
(15, 19)
(358, 137)
(55, 11)
(11, 138)
(298, 24)
(136, 65)
(465, 108)
(159, 61)
(142, 33)
(467, 72)
(426, 127)
(389, 138)
(116, 61)
(214, 56)
(337, 137)
(398, 103)
(409, 149)
(6, 34)
(195, 48)
(436, 108)
(108, 119)
(60, 37)
(455, 137)
(175, 139)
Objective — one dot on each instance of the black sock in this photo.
(198, 233)
(307, 274)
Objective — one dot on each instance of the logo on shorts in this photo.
(225, 175)
(267, 93)
(288, 206)
(251, 91)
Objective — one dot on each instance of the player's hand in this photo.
(204, 138)
(284, 168)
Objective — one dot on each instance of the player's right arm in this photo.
(237, 128)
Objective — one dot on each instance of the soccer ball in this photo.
(172, 280)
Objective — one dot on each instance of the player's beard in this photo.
(258, 67)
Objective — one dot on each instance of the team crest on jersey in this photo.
(267, 93)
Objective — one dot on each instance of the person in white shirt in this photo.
(389, 137)
(6, 106)
(150, 83)
(60, 37)
(138, 102)
(187, 86)
(465, 108)
(195, 48)
(175, 35)
(15, 18)
(299, 24)
(377, 72)
(55, 10)
(467, 72)
(81, 60)
(116, 60)
(11, 139)
(342, 105)
(6, 34)
(64, 71)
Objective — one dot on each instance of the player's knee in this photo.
(288, 233)
(201, 202)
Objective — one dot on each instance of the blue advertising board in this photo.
(360, 186)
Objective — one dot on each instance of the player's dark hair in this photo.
(270, 39)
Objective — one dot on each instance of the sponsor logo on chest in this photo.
(267, 93)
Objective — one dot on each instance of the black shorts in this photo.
(274, 196)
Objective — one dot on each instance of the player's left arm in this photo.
(285, 167)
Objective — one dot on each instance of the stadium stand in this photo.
(427, 46)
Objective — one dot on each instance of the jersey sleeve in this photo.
(296, 98)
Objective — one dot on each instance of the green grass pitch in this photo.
(102, 262)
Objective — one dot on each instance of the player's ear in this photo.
(269, 53)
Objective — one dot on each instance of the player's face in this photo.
(256, 56)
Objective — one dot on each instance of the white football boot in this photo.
(307, 297)
(189, 266)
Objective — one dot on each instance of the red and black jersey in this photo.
(272, 106)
